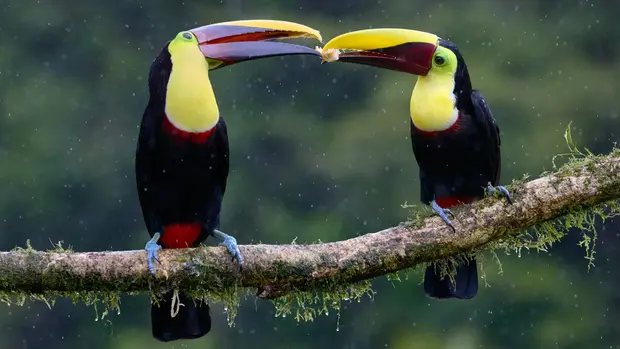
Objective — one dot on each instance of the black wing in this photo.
(145, 167)
(223, 152)
(146, 156)
(488, 129)
(221, 148)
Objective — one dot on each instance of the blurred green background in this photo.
(317, 152)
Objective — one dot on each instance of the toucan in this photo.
(455, 139)
(182, 155)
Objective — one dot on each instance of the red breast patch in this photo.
(194, 137)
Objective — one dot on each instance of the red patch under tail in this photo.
(451, 201)
(180, 235)
(194, 137)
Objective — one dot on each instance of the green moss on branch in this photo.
(314, 278)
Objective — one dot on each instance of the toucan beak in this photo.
(237, 41)
(404, 50)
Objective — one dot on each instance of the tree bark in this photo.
(275, 270)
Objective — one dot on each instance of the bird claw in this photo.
(503, 191)
(151, 248)
(441, 212)
(447, 211)
(231, 245)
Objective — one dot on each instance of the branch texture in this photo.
(275, 270)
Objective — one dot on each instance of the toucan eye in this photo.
(439, 60)
(187, 36)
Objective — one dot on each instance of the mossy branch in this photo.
(284, 270)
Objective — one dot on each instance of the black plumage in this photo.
(181, 180)
(456, 166)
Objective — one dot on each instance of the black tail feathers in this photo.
(466, 280)
(191, 321)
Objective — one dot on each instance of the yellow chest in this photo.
(432, 106)
(190, 100)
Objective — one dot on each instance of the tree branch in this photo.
(275, 270)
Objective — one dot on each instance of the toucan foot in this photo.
(231, 245)
(441, 212)
(151, 248)
(503, 191)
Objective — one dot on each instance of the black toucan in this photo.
(455, 138)
(182, 156)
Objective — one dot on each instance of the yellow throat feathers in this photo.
(433, 105)
(190, 101)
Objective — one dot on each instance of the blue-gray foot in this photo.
(151, 248)
(231, 245)
(503, 191)
(441, 212)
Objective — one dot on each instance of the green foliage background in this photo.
(318, 152)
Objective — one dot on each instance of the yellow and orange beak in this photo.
(403, 50)
(237, 41)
